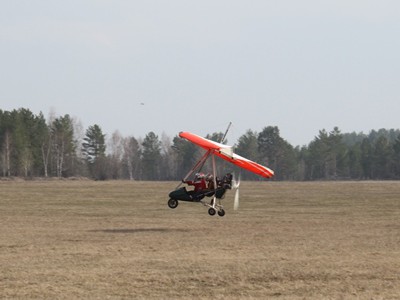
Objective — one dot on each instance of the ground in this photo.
(119, 240)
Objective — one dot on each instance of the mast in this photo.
(226, 132)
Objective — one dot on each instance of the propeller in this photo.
(235, 185)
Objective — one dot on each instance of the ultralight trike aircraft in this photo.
(217, 187)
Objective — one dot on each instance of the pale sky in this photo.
(197, 65)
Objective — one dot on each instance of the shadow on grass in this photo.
(139, 230)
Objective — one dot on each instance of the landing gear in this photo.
(172, 203)
(212, 211)
(213, 208)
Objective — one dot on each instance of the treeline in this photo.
(31, 146)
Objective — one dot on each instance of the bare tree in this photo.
(168, 158)
(46, 141)
(131, 155)
(116, 147)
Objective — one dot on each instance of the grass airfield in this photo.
(119, 240)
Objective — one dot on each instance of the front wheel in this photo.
(221, 213)
(172, 203)
(211, 211)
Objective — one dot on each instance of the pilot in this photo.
(210, 181)
(199, 183)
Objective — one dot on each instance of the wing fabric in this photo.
(202, 142)
(226, 153)
(248, 165)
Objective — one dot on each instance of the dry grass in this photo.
(119, 240)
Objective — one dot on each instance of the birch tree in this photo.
(63, 142)
(131, 156)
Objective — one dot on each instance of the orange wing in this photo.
(226, 153)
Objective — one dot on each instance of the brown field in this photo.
(119, 240)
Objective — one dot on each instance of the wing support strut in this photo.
(215, 181)
(196, 166)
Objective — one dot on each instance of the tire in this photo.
(172, 203)
(211, 211)
(221, 213)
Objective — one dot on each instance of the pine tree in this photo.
(94, 151)
(151, 157)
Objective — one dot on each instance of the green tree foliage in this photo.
(94, 145)
(247, 146)
(327, 156)
(151, 157)
(21, 134)
(355, 161)
(6, 133)
(396, 157)
(185, 154)
(94, 151)
(270, 146)
(276, 153)
(367, 159)
(31, 146)
(22, 141)
(216, 137)
(383, 158)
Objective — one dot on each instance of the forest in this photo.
(32, 146)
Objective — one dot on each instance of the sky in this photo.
(181, 65)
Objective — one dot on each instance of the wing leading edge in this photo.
(226, 153)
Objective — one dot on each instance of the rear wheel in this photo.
(221, 213)
(172, 203)
(211, 211)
